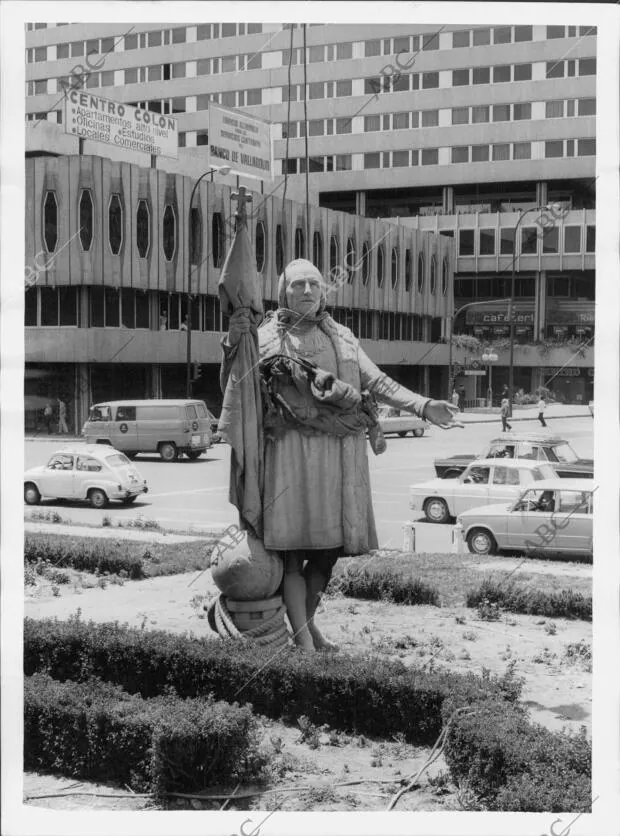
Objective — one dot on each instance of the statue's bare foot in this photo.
(321, 642)
(304, 642)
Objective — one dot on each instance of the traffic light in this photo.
(196, 371)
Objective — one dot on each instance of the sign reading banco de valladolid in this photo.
(243, 142)
(104, 120)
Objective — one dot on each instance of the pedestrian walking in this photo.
(504, 412)
(48, 414)
(462, 399)
(62, 417)
(455, 397)
(541, 411)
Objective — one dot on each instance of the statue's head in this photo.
(301, 288)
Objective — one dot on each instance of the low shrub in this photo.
(365, 694)
(94, 730)
(377, 580)
(511, 764)
(523, 599)
(138, 560)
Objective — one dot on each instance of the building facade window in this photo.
(380, 265)
(217, 239)
(50, 222)
(408, 271)
(572, 239)
(334, 253)
(394, 266)
(507, 241)
(86, 211)
(279, 249)
(260, 242)
(529, 240)
(522, 151)
(169, 232)
(486, 241)
(143, 228)
(350, 264)
(421, 269)
(299, 243)
(317, 250)
(195, 235)
(466, 242)
(115, 224)
(365, 263)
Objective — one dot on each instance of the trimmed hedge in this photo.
(137, 559)
(381, 582)
(511, 764)
(88, 556)
(97, 731)
(516, 598)
(367, 695)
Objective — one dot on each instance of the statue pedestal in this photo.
(246, 615)
(245, 570)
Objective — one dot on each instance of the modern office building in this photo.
(458, 131)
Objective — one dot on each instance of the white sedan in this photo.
(483, 482)
(393, 420)
(551, 517)
(96, 473)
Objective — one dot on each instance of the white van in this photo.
(167, 426)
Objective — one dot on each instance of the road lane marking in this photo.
(184, 493)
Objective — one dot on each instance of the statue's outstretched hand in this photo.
(442, 414)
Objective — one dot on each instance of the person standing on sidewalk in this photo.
(62, 417)
(504, 412)
(48, 414)
(541, 411)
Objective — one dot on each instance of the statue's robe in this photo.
(317, 487)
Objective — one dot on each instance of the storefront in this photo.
(493, 324)
(562, 324)
(44, 385)
(569, 385)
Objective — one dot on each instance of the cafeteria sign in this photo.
(240, 141)
(103, 120)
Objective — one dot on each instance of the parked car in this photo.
(551, 517)
(483, 482)
(165, 426)
(94, 473)
(393, 420)
(530, 446)
(215, 436)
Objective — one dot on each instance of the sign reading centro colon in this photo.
(240, 141)
(122, 125)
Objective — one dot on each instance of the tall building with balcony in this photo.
(458, 131)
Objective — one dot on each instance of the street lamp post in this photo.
(224, 169)
(489, 358)
(547, 207)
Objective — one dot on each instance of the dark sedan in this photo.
(535, 447)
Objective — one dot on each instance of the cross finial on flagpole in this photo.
(241, 197)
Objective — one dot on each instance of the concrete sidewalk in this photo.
(472, 416)
(527, 413)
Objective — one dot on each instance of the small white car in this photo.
(393, 420)
(483, 482)
(551, 517)
(95, 473)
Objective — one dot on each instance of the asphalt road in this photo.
(184, 493)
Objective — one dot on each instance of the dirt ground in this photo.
(557, 686)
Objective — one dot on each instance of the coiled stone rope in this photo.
(272, 632)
